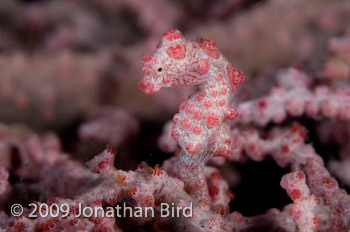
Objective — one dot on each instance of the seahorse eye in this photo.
(160, 69)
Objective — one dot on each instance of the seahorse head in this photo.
(167, 65)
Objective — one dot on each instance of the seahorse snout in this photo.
(148, 87)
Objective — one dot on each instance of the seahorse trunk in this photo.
(191, 172)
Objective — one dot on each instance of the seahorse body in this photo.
(201, 126)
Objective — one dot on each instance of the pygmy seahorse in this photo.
(201, 127)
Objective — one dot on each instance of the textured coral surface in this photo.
(168, 115)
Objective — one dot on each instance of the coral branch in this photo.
(98, 126)
(5, 186)
(147, 187)
(287, 147)
(40, 159)
(293, 97)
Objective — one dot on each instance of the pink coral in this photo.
(327, 208)
(40, 159)
(337, 66)
(318, 199)
(39, 86)
(62, 59)
(97, 127)
(304, 210)
(5, 186)
(148, 187)
(201, 127)
(293, 96)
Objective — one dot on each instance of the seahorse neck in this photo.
(218, 88)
